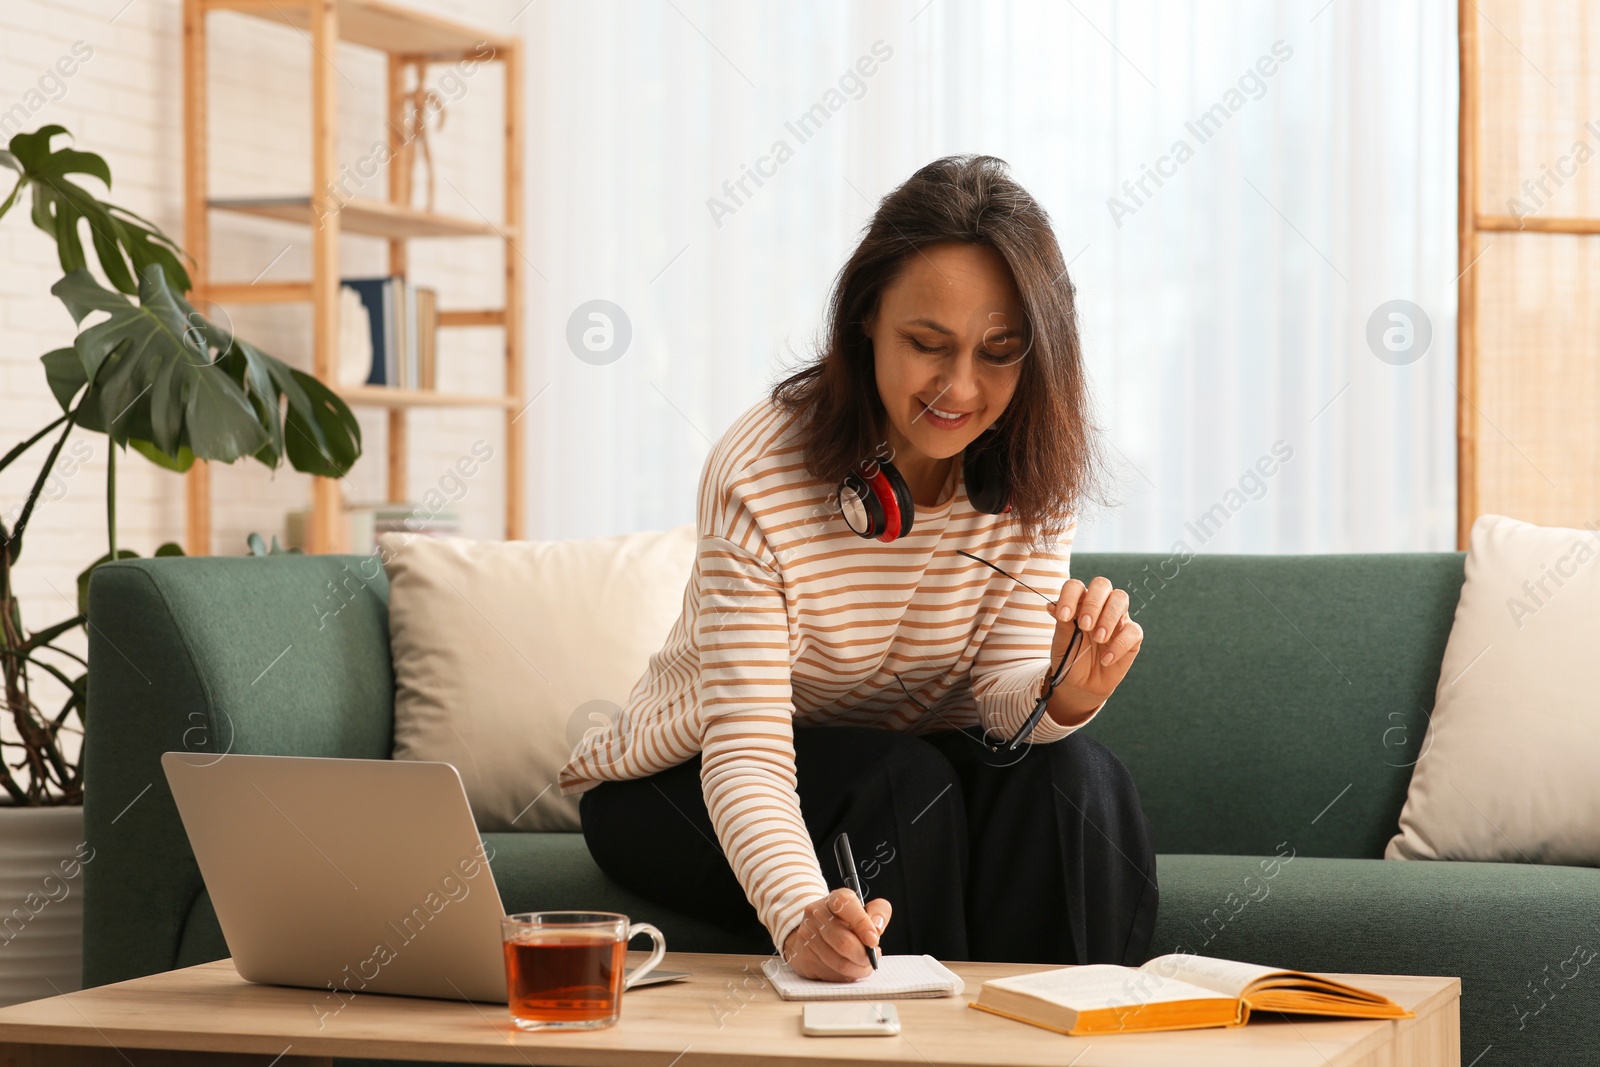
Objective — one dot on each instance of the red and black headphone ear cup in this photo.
(879, 503)
(889, 501)
(902, 493)
(864, 513)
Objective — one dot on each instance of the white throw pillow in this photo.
(506, 653)
(1507, 771)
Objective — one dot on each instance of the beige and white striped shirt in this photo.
(791, 618)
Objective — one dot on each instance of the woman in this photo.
(841, 665)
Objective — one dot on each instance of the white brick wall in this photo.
(125, 103)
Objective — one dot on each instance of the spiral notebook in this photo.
(897, 978)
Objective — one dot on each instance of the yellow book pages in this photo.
(1313, 1003)
(1088, 1024)
(1275, 989)
(1101, 998)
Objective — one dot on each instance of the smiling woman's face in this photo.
(947, 342)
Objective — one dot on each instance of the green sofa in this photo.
(1270, 723)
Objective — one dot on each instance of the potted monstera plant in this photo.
(151, 374)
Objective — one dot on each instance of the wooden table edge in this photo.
(1446, 998)
(23, 1044)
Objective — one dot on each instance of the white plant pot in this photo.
(41, 902)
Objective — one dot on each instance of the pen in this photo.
(847, 868)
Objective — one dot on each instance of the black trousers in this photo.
(1042, 855)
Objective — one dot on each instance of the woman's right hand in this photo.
(830, 943)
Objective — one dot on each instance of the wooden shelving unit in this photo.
(408, 39)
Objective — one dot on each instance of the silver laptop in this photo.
(344, 875)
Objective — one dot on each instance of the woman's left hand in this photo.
(1109, 644)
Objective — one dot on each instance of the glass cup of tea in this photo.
(565, 969)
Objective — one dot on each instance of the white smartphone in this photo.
(844, 1018)
(654, 977)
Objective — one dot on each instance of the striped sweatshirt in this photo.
(790, 618)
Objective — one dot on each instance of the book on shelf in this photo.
(1181, 991)
(427, 337)
(402, 323)
(397, 332)
(364, 523)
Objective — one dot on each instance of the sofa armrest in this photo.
(283, 655)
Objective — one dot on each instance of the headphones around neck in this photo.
(876, 501)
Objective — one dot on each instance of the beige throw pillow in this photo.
(505, 653)
(1507, 771)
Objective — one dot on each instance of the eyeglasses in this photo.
(1062, 667)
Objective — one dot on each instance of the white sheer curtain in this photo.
(1225, 310)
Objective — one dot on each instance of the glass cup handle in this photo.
(655, 957)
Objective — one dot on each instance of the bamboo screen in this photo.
(1529, 409)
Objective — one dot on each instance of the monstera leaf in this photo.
(124, 243)
(176, 386)
(167, 382)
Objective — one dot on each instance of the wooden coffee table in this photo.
(725, 1014)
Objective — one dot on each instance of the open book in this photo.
(1175, 992)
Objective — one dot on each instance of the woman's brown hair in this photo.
(1045, 431)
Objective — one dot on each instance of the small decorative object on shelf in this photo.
(258, 547)
(420, 104)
